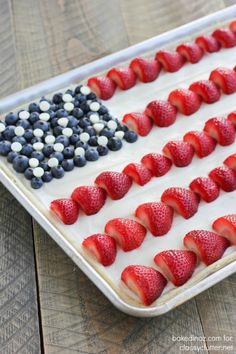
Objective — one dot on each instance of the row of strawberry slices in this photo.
(147, 70)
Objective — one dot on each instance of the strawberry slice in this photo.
(187, 102)
(138, 172)
(208, 44)
(103, 87)
(139, 122)
(232, 118)
(147, 70)
(157, 217)
(129, 234)
(116, 184)
(230, 161)
(162, 113)
(158, 164)
(232, 26)
(66, 210)
(206, 188)
(202, 143)
(146, 282)
(171, 61)
(226, 226)
(224, 177)
(180, 152)
(102, 247)
(176, 265)
(124, 78)
(225, 79)
(208, 246)
(207, 90)
(183, 201)
(90, 198)
(225, 37)
(221, 129)
(191, 52)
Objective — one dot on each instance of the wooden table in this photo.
(46, 303)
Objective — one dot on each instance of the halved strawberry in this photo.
(180, 152)
(176, 265)
(171, 61)
(226, 226)
(206, 188)
(103, 87)
(232, 26)
(157, 217)
(162, 113)
(224, 177)
(230, 161)
(191, 52)
(146, 282)
(208, 44)
(232, 118)
(202, 143)
(90, 198)
(225, 79)
(225, 37)
(183, 201)
(138, 172)
(221, 129)
(187, 102)
(158, 164)
(147, 70)
(128, 233)
(125, 78)
(207, 90)
(139, 122)
(116, 184)
(102, 247)
(208, 246)
(66, 210)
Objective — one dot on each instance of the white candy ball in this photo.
(2, 127)
(24, 115)
(112, 125)
(85, 90)
(94, 118)
(79, 151)
(50, 139)
(98, 127)
(44, 116)
(19, 131)
(38, 133)
(67, 132)
(44, 106)
(94, 106)
(33, 162)
(53, 162)
(59, 147)
(102, 140)
(16, 146)
(84, 137)
(63, 122)
(67, 97)
(69, 106)
(38, 146)
(120, 134)
(38, 172)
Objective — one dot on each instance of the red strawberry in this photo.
(162, 112)
(221, 129)
(147, 70)
(232, 26)
(230, 161)
(191, 52)
(176, 265)
(146, 282)
(225, 79)
(186, 101)
(125, 78)
(208, 246)
(225, 37)
(90, 198)
(232, 118)
(158, 164)
(66, 209)
(103, 87)
(207, 90)
(182, 200)
(171, 61)
(102, 247)
(180, 152)
(202, 143)
(224, 177)
(116, 184)
(157, 217)
(226, 226)
(208, 44)
(129, 234)
(206, 188)
(138, 172)
(139, 122)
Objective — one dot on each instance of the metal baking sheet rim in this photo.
(77, 75)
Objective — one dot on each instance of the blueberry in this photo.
(107, 132)
(20, 163)
(106, 117)
(9, 132)
(90, 130)
(68, 165)
(28, 135)
(29, 173)
(130, 136)
(84, 122)
(44, 126)
(63, 140)
(77, 130)
(11, 118)
(85, 107)
(27, 150)
(19, 139)
(5, 147)
(114, 144)
(23, 123)
(102, 150)
(47, 177)
(91, 96)
(36, 183)
(61, 113)
(57, 98)
(44, 166)
(103, 110)
(77, 89)
(52, 111)
(79, 161)
(93, 141)
(82, 144)
(34, 116)
(81, 98)
(48, 149)
(72, 122)
(91, 154)
(11, 155)
(57, 131)
(33, 107)
(58, 155)
(74, 138)
(121, 127)
(53, 122)
(76, 103)
(58, 172)
(36, 140)
(68, 152)
(38, 155)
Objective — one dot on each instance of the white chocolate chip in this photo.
(38, 172)
(120, 134)
(44, 106)
(2, 127)
(112, 125)
(79, 151)
(53, 162)
(102, 140)
(16, 146)
(50, 139)
(94, 106)
(84, 137)
(44, 116)
(98, 127)
(19, 131)
(38, 146)
(94, 118)
(67, 132)
(59, 147)
(67, 97)
(63, 122)
(33, 162)
(24, 115)
(38, 133)
(85, 90)
(69, 106)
